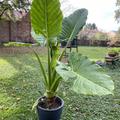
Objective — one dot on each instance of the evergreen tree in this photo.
(91, 26)
(117, 12)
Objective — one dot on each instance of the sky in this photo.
(101, 12)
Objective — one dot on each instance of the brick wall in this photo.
(93, 42)
(4, 31)
(19, 31)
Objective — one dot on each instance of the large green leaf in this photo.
(88, 77)
(72, 24)
(46, 17)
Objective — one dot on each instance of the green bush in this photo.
(17, 44)
(114, 50)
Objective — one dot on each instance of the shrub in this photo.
(17, 44)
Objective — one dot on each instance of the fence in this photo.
(101, 43)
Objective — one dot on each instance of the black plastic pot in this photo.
(50, 114)
(112, 54)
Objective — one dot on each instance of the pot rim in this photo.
(54, 109)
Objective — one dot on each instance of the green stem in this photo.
(53, 77)
(49, 66)
(55, 84)
(42, 68)
(49, 94)
(67, 44)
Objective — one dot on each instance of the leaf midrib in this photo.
(89, 80)
(46, 20)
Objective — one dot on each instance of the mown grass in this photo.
(21, 84)
(94, 53)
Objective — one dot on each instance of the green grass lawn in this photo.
(94, 53)
(20, 86)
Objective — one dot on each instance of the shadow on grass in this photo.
(19, 91)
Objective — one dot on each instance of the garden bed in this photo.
(20, 50)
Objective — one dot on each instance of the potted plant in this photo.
(113, 52)
(87, 77)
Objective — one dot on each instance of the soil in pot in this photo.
(52, 103)
(50, 109)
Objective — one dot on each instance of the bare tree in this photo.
(8, 7)
(67, 7)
